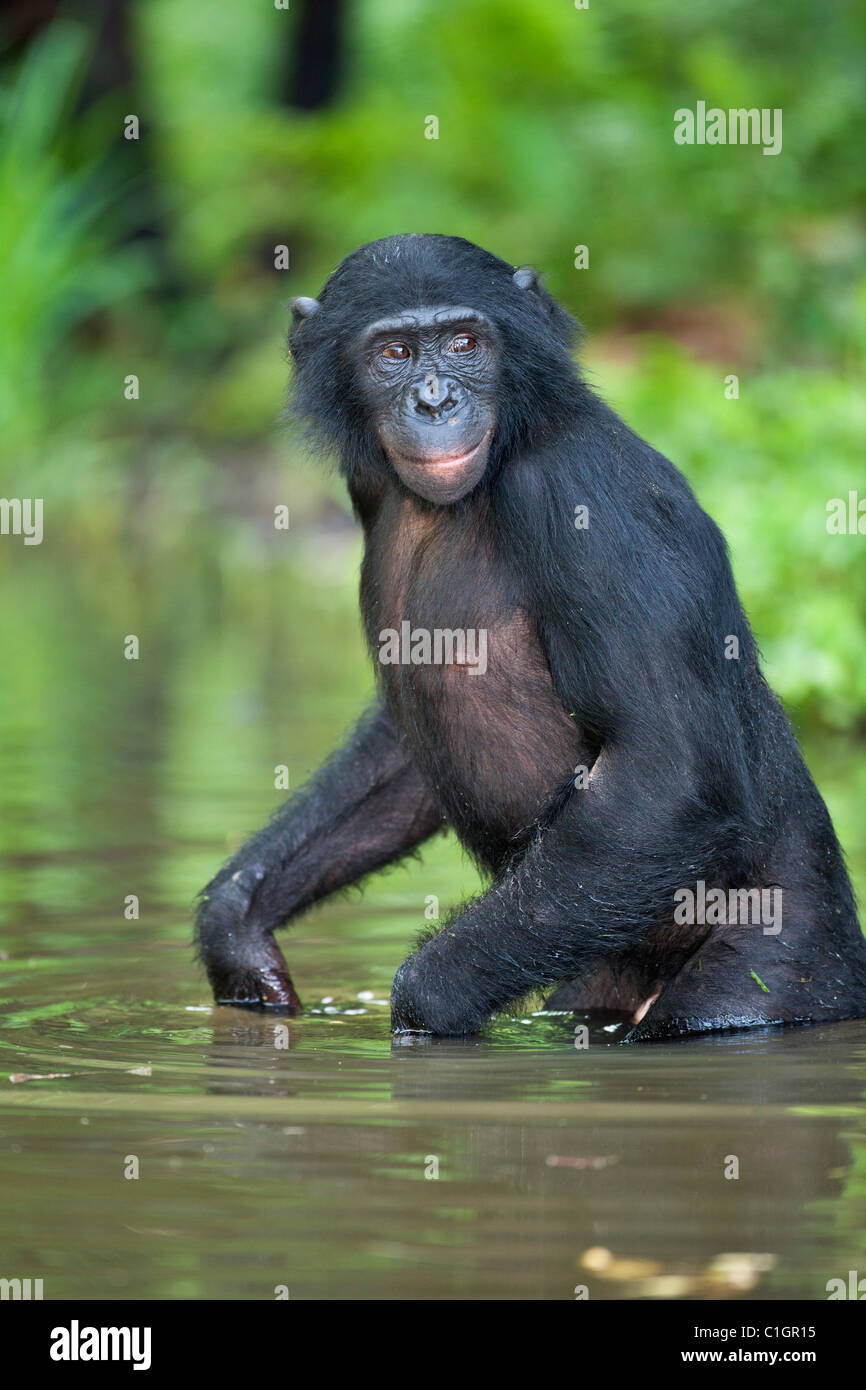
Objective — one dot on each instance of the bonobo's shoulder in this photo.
(599, 484)
(600, 454)
(643, 477)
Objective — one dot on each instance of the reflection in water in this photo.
(605, 1168)
(319, 1153)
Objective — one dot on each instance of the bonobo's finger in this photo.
(273, 981)
(262, 986)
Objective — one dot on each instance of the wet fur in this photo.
(606, 648)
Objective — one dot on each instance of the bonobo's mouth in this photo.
(441, 477)
(444, 462)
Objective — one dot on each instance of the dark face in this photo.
(429, 376)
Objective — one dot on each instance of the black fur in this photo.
(606, 650)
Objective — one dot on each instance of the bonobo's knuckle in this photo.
(226, 901)
(220, 910)
(245, 880)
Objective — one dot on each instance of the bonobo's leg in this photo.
(591, 887)
(744, 976)
(736, 979)
(364, 808)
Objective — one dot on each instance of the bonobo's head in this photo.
(430, 378)
(431, 357)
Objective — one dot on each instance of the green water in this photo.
(322, 1156)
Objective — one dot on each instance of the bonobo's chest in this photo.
(463, 671)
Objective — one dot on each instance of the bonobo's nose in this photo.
(433, 394)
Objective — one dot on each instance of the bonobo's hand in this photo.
(428, 997)
(244, 964)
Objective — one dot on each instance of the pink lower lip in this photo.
(437, 461)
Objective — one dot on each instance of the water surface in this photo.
(322, 1156)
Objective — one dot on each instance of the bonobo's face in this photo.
(429, 376)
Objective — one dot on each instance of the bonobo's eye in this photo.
(395, 352)
(464, 342)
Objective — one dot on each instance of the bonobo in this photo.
(616, 765)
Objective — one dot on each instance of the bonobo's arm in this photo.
(599, 877)
(364, 808)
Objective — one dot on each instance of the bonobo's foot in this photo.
(431, 1000)
(244, 964)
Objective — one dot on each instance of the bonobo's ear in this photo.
(525, 278)
(302, 308)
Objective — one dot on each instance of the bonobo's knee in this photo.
(423, 1000)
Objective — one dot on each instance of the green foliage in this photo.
(60, 264)
(764, 466)
(555, 130)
